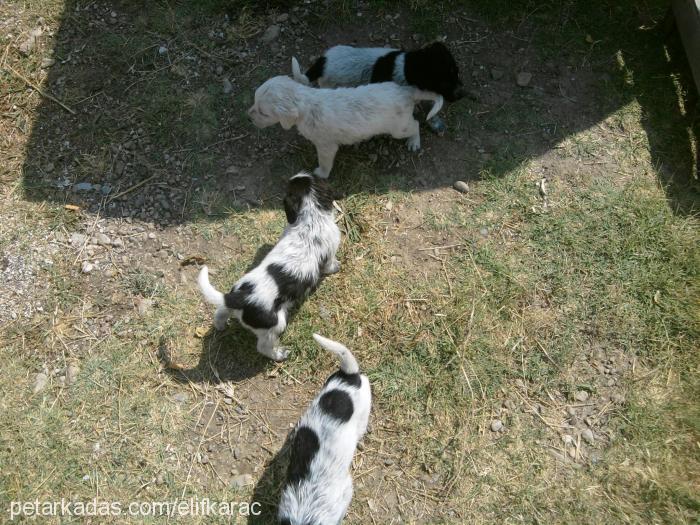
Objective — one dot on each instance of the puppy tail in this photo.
(211, 294)
(427, 95)
(297, 74)
(348, 363)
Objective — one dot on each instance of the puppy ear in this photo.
(292, 205)
(288, 117)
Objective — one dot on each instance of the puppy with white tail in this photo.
(333, 117)
(261, 299)
(318, 489)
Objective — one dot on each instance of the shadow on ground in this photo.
(156, 94)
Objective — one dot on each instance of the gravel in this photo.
(496, 425)
(461, 186)
(581, 396)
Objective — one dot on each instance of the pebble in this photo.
(28, 45)
(588, 436)
(204, 460)
(388, 462)
(568, 439)
(181, 397)
(228, 400)
(237, 453)
(496, 425)
(144, 306)
(461, 186)
(162, 50)
(118, 243)
(102, 239)
(241, 481)
(271, 33)
(484, 232)
(227, 86)
(87, 267)
(47, 62)
(72, 372)
(82, 186)
(509, 404)
(581, 396)
(40, 381)
(323, 312)
(523, 79)
(77, 239)
(151, 235)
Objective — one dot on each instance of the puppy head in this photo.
(275, 101)
(306, 193)
(433, 68)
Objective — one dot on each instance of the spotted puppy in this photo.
(318, 488)
(261, 299)
(331, 117)
(431, 68)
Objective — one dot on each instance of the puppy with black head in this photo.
(318, 489)
(431, 68)
(305, 252)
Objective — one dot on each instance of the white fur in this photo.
(323, 497)
(312, 238)
(331, 117)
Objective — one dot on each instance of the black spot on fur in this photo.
(304, 448)
(289, 287)
(433, 68)
(285, 521)
(349, 379)
(257, 317)
(337, 404)
(383, 69)
(316, 70)
(301, 187)
(236, 298)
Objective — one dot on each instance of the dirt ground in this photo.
(501, 392)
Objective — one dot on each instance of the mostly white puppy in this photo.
(318, 488)
(261, 299)
(331, 117)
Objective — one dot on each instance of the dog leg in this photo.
(221, 317)
(413, 142)
(331, 267)
(267, 346)
(326, 155)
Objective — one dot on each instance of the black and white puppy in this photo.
(331, 117)
(431, 68)
(261, 299)
(318, 488)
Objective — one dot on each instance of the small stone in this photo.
(40, 381)
(118, 243)
(160, 479)
(571, 411)
(72, 372)
(484, 232)
(388, 462)
(509, 404)
(496, 74)
(227, 86)
(581, 396)
(523, 79)
(162, 50)
(572, 452)
(28, 45)
(568, 439)
(204, 460)
(181, 397)
(271, 33)
(461, 186)
(144, 306)
(102, 239)
(324, 313)
(47, 62)
(228, 400)
(77, 239)
(87, 267)
(496, 425)
(237, 453)
(82, 186)
(588, 436)
(241, 481)
(151, 235)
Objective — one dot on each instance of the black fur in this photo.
(349, 379)
(304, 448)
(298, 188)
(433, 68)
(337, 404)
(290, 289)
(383, 69)
(253, 315)
(316, 70)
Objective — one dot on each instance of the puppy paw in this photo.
(437, 125)
(280, 353)
(220, 324)
(332, 268)
(413, 143)
(321, 173)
